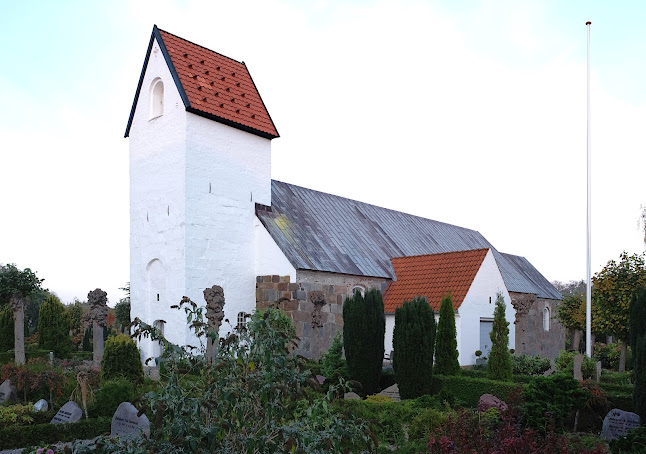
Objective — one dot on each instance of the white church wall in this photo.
(228, 171)
(157, 205)
(476, 305)
(269, 258)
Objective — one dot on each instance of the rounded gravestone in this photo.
(617, 423)
(126, 422)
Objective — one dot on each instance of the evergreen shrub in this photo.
(54, 327)
(467, 391)
(20, 436)
(110, 395)
(364, 327)
(529, 365)
(499, 363)
(121, 359)
(414, 345)
(446, 344)
(565, 363)
(333, 365)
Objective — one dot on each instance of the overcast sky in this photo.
(467, 112)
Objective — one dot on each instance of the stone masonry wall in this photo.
(531, 337)
(314, 303)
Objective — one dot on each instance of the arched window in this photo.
(359, 288)
(156, 98)
(546, 318)
(242, 321)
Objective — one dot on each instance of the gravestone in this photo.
(617, 423)
(578, 362)
(320, 379)
(351, 396)
(70, 412)
(391, 391)
(8, 392)
(41, 405)
(125, 422)
(488, 401)
(597, 372)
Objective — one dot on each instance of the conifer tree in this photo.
(638, 346)
(414, 344)
(53, 327)
(446, 344)
(499, 364)
(6, 329)
(364, 326)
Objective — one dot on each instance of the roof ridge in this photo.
(382, 208)
(441, 253)
(199, 45)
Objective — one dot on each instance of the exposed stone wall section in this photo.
(531, 337)
(314, 303)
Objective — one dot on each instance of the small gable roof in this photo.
(433, 276)
(323, 232)
(210, 85)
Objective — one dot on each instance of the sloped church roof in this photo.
(323, 232)
(210, 85)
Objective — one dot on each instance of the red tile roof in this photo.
(213, 86)
(433, 276)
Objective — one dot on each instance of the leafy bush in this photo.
(633, 443)
(446, 344)
(549, 401)
(20, 436)
(54, 327)
(16, 414)
(530, 365)
(469, 432)
(121, 359)
(467, 390)
(333, 366)
(36, 379)
(565, 364)
(414, 345)
(364, 327)
(610, 354)
(499, 363)
(250, 399)
(110, 395)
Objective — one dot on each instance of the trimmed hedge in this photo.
(22, 436)
(467, 390)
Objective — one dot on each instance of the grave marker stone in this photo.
(70, 412)
(125, 422)
(351, 396)
(8, 392)
(617, 423)
(597, 372)
(391, 391)
(41, 405)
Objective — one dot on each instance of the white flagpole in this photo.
(588, 290)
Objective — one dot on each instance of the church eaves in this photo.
(211, 85)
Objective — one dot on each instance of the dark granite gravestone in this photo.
(70, 412)
(125, 422)
(617, 423)
(8, 392)
(578, 363)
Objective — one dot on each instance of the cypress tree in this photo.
(414, 344)
(637, 316)
(446, 344)
(53, 327)
(499, 365)
(638, 347)
(364, 326)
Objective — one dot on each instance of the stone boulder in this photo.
(488, 401)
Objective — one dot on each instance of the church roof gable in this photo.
(433, 276)
(211, 85)
(323, 232)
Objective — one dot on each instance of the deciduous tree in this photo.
(15, 287)
(612, 291)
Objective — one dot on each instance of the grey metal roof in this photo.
(324, 232)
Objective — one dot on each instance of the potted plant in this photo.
(480, 360)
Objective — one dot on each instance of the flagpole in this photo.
(588, 289)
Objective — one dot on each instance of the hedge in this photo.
(23, 436)
(467, 390)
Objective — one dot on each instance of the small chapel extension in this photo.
(204, 211)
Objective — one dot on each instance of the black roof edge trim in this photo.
(231, 123)
(155, 35)
(261, 207)
(261, 100)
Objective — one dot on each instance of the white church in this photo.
(204, 211)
